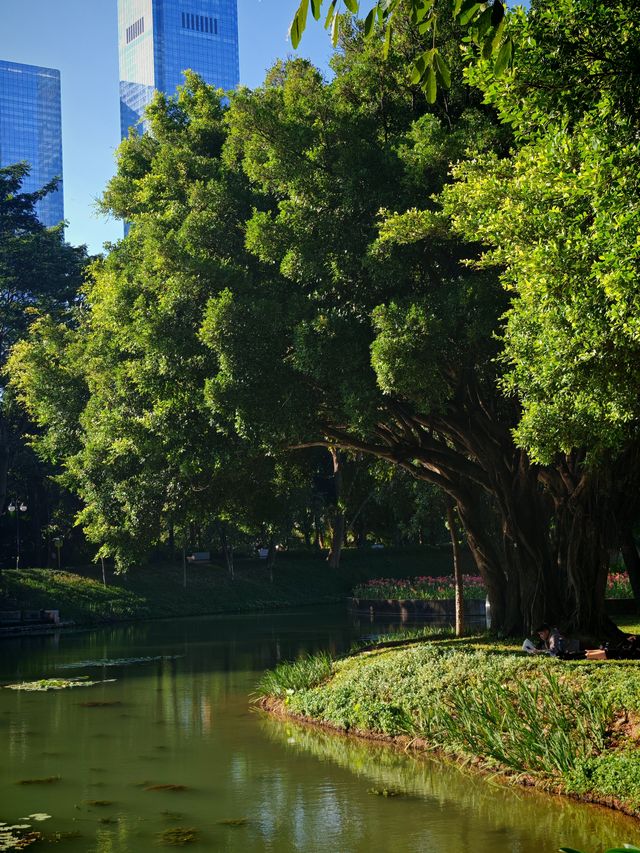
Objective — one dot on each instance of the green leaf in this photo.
(487, 45)
(497, 38)
(417, 70)
(484, 22)
(299, 23)
(503, 60)
(330, 14)
(443, 71)
(431, 88)
(316, 7)
(569, 850)
(335, 32)
(467, 12)
(352, 6)
(420, 9)
(387, 41)
(369, 22)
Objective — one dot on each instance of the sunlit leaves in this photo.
(484, 23)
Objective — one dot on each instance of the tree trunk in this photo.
(338, 530)
(540, 535)
(632, 563)
(271, 556)
(457, 569)
(227, 550)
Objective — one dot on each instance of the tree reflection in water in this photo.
(456, 802)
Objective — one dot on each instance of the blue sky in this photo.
(79, 37)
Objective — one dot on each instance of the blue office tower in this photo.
(159, 39)
(31, 130)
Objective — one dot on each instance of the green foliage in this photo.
(483, 22)
(560, 218)
(40, 274)
(609, 774)
(157, 590)
(547, 719)
(288, 677)
(121, 397)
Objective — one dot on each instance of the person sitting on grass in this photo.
(556, 645)
(553, 643)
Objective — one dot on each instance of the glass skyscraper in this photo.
(31, 130)
(159, 39)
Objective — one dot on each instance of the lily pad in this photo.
(83, 664)
(45, 684)
(17, 837)
(37, 816)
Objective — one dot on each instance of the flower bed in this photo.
(618, 585)
(442, 588)
(419, 589)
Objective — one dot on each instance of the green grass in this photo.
(157, 591)
(568, 725)
(295, 675)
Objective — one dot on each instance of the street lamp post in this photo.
(17, 507)
(58, 545)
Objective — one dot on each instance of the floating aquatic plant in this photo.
(39, 816)
(46, 780)
(100, 704)
(234, 821)
(63, 836)
(178, 836)
(116, 661)
(45, 684)
(166, 787)
(17, 837)
(100, 803)
(384, 792)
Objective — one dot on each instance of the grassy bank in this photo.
(571, 727)
(158, 591)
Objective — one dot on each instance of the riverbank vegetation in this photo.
(157, 591)
(571, 727)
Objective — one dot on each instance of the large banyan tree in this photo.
(343, 287)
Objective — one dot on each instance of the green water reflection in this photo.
(244, 782)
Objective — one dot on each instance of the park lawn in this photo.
(157, 591)
(570, 727)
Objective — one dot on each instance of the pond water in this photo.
(251, 783)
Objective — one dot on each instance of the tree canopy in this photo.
(356, 265)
